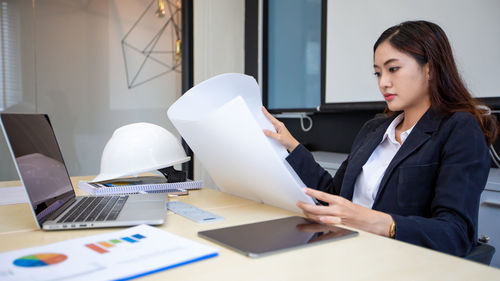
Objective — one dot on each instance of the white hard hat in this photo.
(138, 148)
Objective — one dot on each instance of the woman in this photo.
(417, 173)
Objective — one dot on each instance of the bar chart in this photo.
(103, 247)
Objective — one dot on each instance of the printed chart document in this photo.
(221, 119)
(125, 254)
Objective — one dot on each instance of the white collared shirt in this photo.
(368, 181)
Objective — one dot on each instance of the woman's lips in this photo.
(388, 96)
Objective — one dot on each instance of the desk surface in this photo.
(365, 257)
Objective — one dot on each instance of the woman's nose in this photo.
(384, 81)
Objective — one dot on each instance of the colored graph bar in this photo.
(115, 241)
(128, 239)
(96, 248)
(106, 244)
(138, 236)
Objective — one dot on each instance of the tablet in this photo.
(263, 238)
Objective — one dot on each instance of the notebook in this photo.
(142, 184)
(55, 206)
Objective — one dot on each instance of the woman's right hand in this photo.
(282, 134)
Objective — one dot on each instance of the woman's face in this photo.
(401, 80)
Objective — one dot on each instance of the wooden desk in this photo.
(365, 257)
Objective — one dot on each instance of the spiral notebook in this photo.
(147, 184)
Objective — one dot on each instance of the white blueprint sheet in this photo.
(222, 121)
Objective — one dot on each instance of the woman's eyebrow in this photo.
(387, 62)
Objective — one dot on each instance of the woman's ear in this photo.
(427, 71)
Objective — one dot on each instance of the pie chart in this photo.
(42, 259)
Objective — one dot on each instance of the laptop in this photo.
(55, 206)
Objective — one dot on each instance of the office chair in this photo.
(482, 253)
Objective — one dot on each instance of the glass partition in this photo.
(292, 39)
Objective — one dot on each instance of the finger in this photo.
(323, 196)
(312, 217)
(276, 123)
(272, 134)
(330, 220)
(315, 210)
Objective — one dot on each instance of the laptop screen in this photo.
(39, 161)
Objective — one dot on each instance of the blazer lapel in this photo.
(360, 156)
(418, 136)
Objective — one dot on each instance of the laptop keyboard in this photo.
(89, 209)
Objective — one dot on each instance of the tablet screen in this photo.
(257, 239)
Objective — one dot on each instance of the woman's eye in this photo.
(393, 69)
(377, 74)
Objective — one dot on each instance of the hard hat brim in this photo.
(106, 177)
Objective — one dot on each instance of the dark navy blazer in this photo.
(431, 187)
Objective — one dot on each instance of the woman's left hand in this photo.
(343, 211)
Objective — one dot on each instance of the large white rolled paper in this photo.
(221, 120)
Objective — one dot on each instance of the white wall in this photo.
(219, 35)
(353, 27)
(73, 69)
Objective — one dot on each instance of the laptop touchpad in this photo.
(138, 210)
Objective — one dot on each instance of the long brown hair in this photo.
(427, 43)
